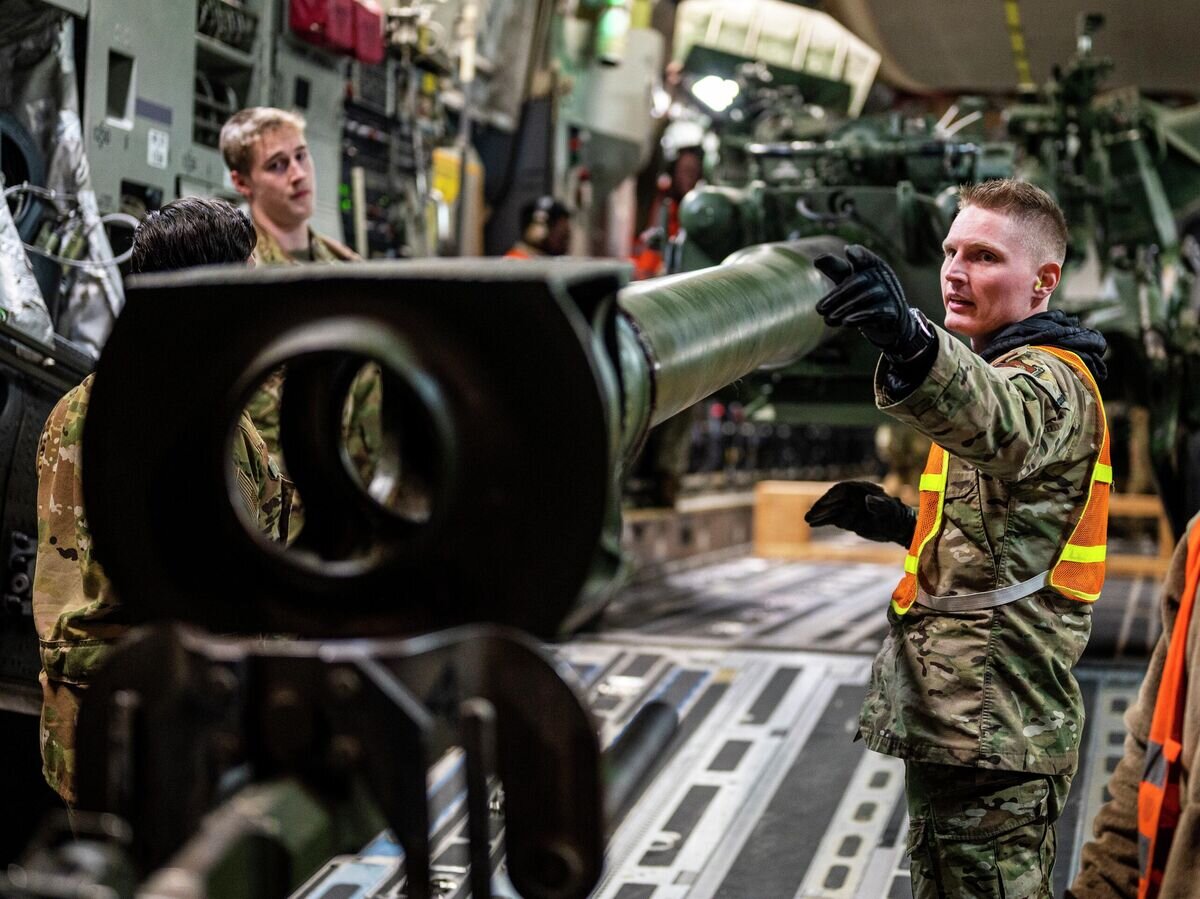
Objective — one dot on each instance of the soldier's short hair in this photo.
(246, 127)
(1029, 204)
(192, 231)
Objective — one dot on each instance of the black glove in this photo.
(863, 507)
(867, 296)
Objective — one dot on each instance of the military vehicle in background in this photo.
(1125, 169)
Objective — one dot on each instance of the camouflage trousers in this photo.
(980, 834)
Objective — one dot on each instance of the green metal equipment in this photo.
(1126, 171)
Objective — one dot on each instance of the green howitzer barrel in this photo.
(685, 336)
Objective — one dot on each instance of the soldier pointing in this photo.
(973, 685)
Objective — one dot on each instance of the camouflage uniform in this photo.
(77, 615)
(361, 424)
(977, 832)
(990, 689)
(267, 251)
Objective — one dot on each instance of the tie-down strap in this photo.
(988, 599)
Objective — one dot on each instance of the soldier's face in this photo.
(280, 182)
(989, 274)
(558, 241)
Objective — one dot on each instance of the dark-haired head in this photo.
(546, 224)
(544, 210)
(192, 231)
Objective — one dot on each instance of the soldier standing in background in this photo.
(663, 461)
(662, 222)
(973, 685)
(545, 230)
(267, 154)
(78, 617)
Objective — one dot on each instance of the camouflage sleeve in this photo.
(362, 426)
(1007, 420)
(258, 479)
(74, 604)
(1109, 862)
(263, 409)
(75, 611)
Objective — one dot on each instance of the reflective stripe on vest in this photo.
(1158, 793)
(929, 522)
(1078, 572)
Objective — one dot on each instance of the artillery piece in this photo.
(516, 396)
(1126, 172)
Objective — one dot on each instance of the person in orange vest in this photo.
(686, 171)
(1147, 833)
(545, 230)
(972, 687)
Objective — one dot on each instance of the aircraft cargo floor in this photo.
(761, 792)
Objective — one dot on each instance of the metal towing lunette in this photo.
(514, 397)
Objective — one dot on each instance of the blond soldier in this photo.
(973, 685)
(267, 154)
(269, 163)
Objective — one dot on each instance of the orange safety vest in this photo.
(1078, 573)
(1158, 793)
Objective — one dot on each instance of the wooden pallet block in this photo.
(780, 531)
(779, 506)
(1141, 505)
